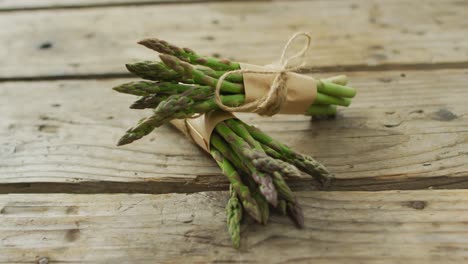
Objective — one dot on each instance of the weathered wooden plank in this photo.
(341, 227)
(404, 131)
(353, 34)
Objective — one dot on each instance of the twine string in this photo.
(271, 103)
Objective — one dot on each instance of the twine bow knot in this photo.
(269, 104)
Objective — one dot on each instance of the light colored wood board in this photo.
(341, 227)
(17, 5)
(400, 132)
(345, 33)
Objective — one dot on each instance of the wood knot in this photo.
(72, 235)
(43, 260)
(418, 205)
(444, 115)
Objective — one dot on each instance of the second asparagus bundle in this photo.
(256, 166)
(184, 84)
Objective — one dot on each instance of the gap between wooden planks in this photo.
(404, 130)
(341, 227)
(31, 5)
(346, 34)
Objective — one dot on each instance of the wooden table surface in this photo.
(69, 195)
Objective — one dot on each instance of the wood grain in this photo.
(341, 227)
(352, 35)
(405, 130)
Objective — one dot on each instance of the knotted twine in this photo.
(271, 103)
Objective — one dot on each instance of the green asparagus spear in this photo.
(155, 71)
(270, 165)
(281, 208)
(152, 101)
(174, 107)
(145, 88)
(303, 162)
(188, 72)
(294, 211)
(243, 192)
(243, 150)
(283, 189)
(224, 148)
(233, 77)
(242, 132)
(323, 99)
(189, 55)
(149, 101)
(334, 89)
(234, 217)
(262, 205)
(264, 163)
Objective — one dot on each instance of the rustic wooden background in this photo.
(69, 195)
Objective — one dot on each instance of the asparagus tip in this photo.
(128, 138)
(326, 181)
(146, 41)
(136, 105)
(169, 60)
(295, 213)
(117, 88)
(129, 67)
(154, 44)
(124, 141)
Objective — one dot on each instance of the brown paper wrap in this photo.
(302, 89)
(199, 129)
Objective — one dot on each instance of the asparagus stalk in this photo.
(243, 192)
(331, 100)
(175, 106)
(234, 77)
(145, 88)
(263, 205)
(152, 101)
(243, 149)
(188, 72)
(189, 55)
(281, 208)
(149, 101)
(155, 93)
(155, 71)
(303, 162)
(274, 167)
(220, 145)
(294, 211)
(268, 164)
(334, 89)
(223, 147)
(234, 217)
(242, 132)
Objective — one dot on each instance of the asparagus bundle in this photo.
(183, 89)
(256, 166)
(183, 85)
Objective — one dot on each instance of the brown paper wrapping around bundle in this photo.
(302, 89)
(199, 129)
